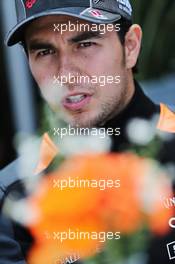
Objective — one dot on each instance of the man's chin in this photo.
(82, 120)
(82, 123)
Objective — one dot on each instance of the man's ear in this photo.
(133, 40)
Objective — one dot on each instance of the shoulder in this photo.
(10, 180)
(10, 250)
(14, 239)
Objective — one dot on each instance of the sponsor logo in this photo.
(30, 3)
(97, 14)
(172, 222)
(125, 6)
(96, 1)
(171, 250)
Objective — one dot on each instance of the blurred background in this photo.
(20, 102)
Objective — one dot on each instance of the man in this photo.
(54, 51)
(54, 54)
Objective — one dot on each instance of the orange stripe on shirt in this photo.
(48, 151)
(166, 120)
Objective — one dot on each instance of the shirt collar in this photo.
(47, 153)
(166, 119)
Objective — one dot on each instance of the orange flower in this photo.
(107, 201)
(158, 221)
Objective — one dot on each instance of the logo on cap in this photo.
(125, 6)
(97, 14)
(30, 3)
(96, 1)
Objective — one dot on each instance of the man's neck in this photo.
(140, 106)
(128, 98)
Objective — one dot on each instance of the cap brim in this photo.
(16, 34)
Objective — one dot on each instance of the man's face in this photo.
(84, 102)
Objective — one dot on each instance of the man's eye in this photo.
(45, 52)
(85, 44)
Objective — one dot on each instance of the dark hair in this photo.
(124, 28)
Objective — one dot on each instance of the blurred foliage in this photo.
(157, 19)
(124, 251)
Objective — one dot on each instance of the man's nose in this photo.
(66, 67)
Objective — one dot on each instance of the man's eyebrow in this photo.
(36, 45)
(86, 35)
(39, 44)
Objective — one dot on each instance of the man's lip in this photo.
(76, 106)
(76, 93)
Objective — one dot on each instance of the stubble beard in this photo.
(109, 110)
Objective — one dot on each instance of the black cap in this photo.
(96, 11)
